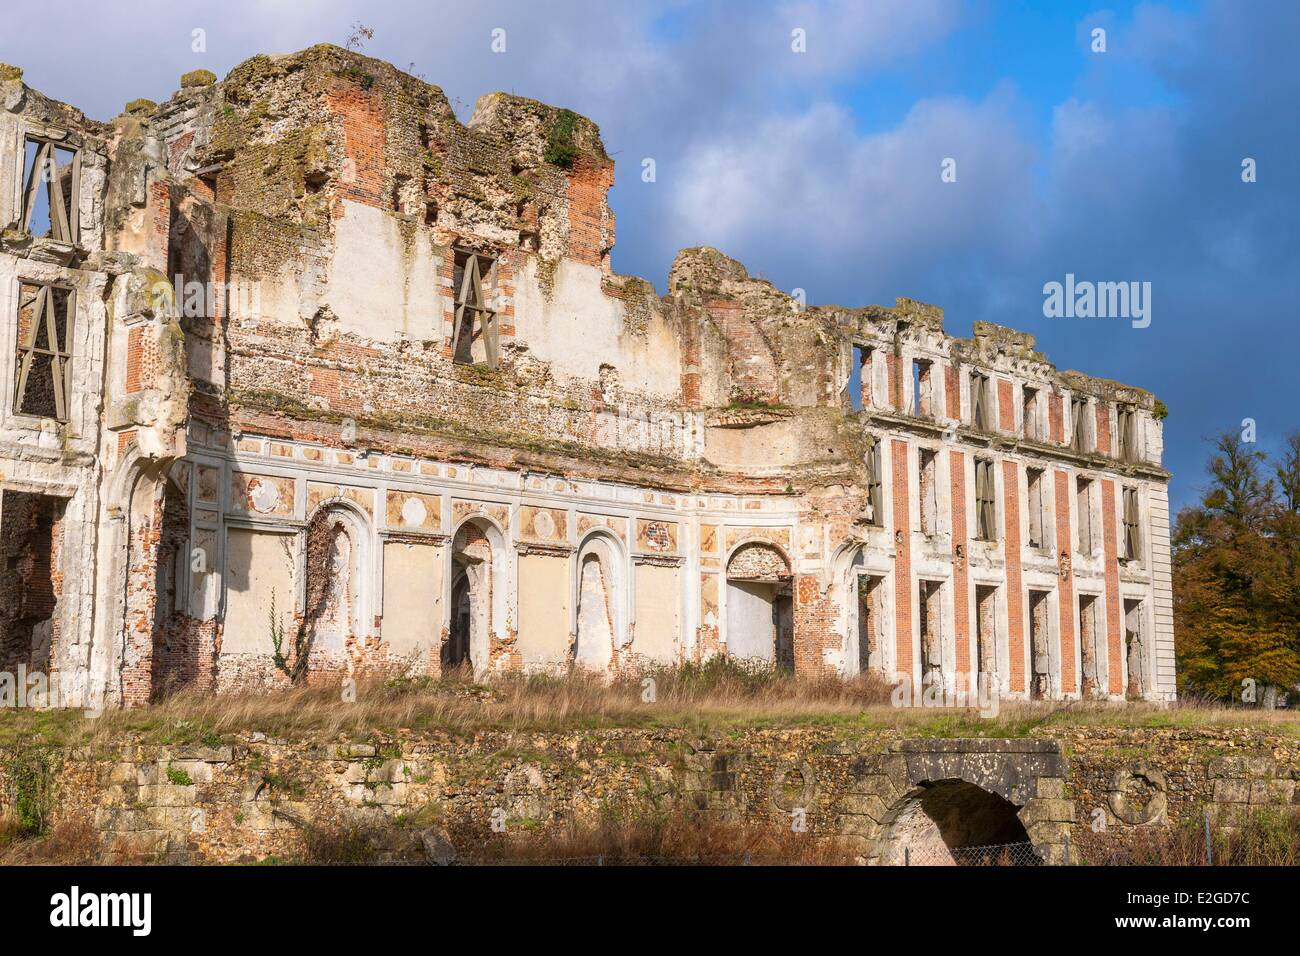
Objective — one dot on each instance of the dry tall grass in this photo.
(719, 693)
(1268, 836)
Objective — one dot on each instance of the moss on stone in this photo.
(197, 78)
(9, 72)
(141, 107)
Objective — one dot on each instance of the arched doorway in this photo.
(760, 606)
(953, 822)
(477, 596)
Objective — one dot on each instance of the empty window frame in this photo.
(980, 413)
(1083, 514)
(43, 379)
(1040, 657)
(51, 184)
(875, 500)
(1080, 433)
(930, 621)
(1126, 425)
(1029, 413)
(922, 388)
(870, 624)
(1034, 481)
(860, 378)
(927, 473)
(986, 647)
(1132, 529)
(1092, 680)
(474, 332)
(985, 510)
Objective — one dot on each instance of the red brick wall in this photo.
(1114, 644)
(363, 142)
(1103, 429)
(753, 367)
(952, 391)
(1056, 418)
(960, 542)
(141, 359)
(591, 227)
(1066, 596)
(1006, 408)
(903, 562)
(1015, 589)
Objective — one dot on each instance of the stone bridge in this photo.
(933, 795)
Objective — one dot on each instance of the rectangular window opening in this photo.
(985, 509)
(1083, 515)
(929, 498)
(1092, 680)
(1039, 642)
(870, 620)
(51, 175)
(474, 337)
(1132, 528)
(1126, 422)
(43, 366)
(986, 654)
(1080, 426)
(1029, 414)
(981, 414)
(875, 499)
(930, 620)
(860, 378)
(922, 389)
(1037, 538)
(31, 582)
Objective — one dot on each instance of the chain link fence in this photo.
(1001, 854)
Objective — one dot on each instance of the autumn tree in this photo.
(1236, 589)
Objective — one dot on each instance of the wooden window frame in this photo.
(60, 353)
(986, 528)
(65, 222)
(470, 298)
(874, 496)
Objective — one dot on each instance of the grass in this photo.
(622, 836)
(718, 696)
(1268, 836)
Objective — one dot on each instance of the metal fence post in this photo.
(907, 856)
(1067, 849)
(1209, 847)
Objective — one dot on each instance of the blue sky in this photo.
(820, 170)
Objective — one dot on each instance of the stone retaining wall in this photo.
(436, 795)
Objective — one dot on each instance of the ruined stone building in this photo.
(295, 363)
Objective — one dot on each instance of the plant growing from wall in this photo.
(32, 787)
(561, 150)
(294, 665)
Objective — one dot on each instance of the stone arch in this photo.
(933, 821)
(759, 604)
(935, 796)
(476, 605)
(336, 592)
(599, 600)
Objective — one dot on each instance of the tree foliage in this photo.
(1236, 560)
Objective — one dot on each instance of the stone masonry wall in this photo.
(434, 795)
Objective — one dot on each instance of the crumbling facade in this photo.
(307, 379)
